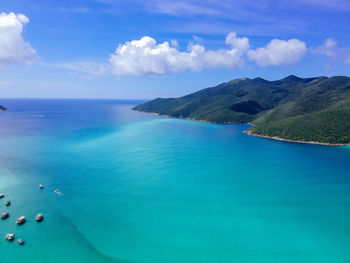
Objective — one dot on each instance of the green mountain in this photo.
(303, 109)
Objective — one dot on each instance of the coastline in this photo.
(248, 132)
(190, 119)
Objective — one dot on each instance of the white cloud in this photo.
(278, 52)
(13, 48)
(238, 43)
(73, 10)
(197, 38)
(330, 49)
(329, 42)
(180, 8)
(146, 57)
(174, 43)
(89, 67)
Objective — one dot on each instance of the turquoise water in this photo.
(141, 188)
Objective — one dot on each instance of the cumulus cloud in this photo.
(147, 57)
(13, 48)
(278, 52)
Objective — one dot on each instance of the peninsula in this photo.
(2, 108)
(309, 110)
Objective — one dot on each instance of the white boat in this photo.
(2, 195)
(5, 215)
(21, 220)
(39, 217)
(10, 236)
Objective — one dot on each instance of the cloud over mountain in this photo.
(278, 52)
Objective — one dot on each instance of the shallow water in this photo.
(141, 188)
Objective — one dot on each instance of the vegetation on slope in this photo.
(325, 127)
(312, 109)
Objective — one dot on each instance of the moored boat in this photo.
(8, 203)
(2, 195)
(5, 215)
(41, 186)
(10, 236)
(39, 217)
(21, 220)
(20, 241)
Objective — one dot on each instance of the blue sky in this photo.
(146, 49)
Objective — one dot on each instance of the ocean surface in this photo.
(137, 187)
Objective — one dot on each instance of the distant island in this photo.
(306, 110)
(2, 108)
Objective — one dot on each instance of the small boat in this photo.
(5, 215)
(2, 195)
(41, 186)
(10, 236)
(8, 203)
(20, 241)
(39, 217)
(21, 220)
(57, 191)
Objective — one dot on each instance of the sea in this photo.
(140, 188)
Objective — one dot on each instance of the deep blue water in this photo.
(142, 188)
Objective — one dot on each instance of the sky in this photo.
(145, 49)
